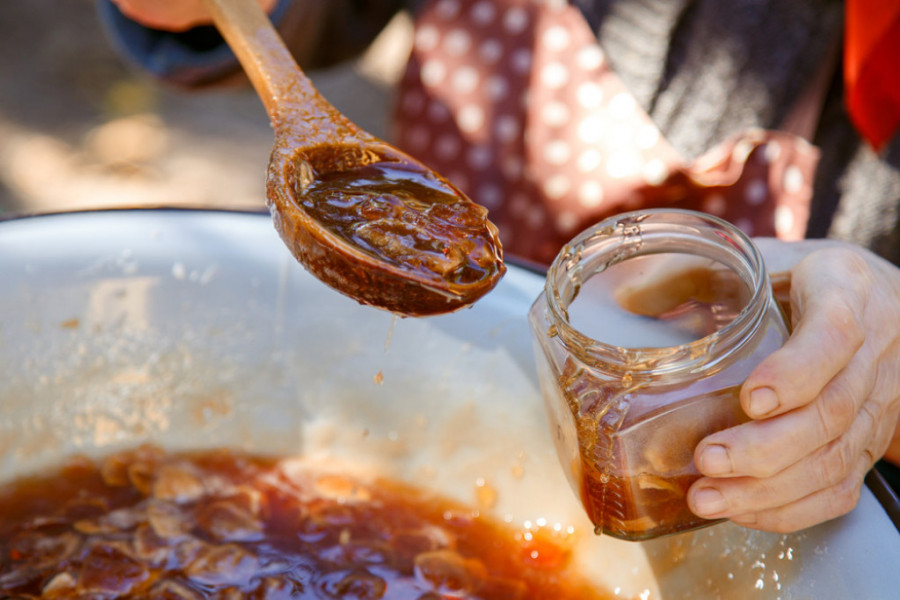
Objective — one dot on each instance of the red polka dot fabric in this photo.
(514, 102)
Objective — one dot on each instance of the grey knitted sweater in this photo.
(704, 69)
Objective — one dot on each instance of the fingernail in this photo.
(762, 401)
(708, 502)
(714, 461)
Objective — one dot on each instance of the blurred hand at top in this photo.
(172, 15)
(823, 408)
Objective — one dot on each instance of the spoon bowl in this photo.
(359, 214)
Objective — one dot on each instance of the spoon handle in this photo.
(278, 80)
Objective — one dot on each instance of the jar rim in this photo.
(626, 235)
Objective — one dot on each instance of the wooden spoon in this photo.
(362, 216)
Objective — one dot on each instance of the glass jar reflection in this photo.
(647, 327)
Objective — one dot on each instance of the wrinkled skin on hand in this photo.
(172, 15)
(824, 407)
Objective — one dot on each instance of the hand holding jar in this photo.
(631, 393)
(824, 407)
(703, 407)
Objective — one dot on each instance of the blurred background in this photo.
(80, 129)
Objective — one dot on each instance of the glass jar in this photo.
(629, 394)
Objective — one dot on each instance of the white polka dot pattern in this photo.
(521, 60)
(433, 72)
(555, 114)
(655, 171)
(490, 51)
(457, 42)
(447, 147)
(479, 157)
(483, 13)
(515, 20)
(447, 9)
(470, 118)
(589, 95)
(793, 180)
(715, 204)
(590, 194)
(771, 151)
(554, 75)
(756, 192)
(514, 102)
(426, 38)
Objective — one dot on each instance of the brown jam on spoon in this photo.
(359, 214)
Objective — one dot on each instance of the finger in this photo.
(825, 468)
(765, 447)
(829, 290)
(816, 508)
(714, 503)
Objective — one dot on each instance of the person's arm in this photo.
(173, 40)
(171, 15)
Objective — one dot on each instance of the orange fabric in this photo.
(872, 67)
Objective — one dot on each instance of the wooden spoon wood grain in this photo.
(362, 216)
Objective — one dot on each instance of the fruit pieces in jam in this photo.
(634, 470)
(219, 524)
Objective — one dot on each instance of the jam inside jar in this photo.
(648, 325)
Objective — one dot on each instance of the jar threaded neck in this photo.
(635, 234)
